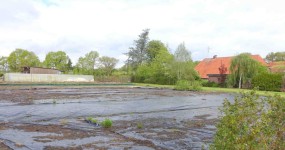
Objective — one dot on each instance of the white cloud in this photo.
(228, 27)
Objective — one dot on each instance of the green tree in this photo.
(138, 53)
(277, 56)
(157, 69)
(4, 64)
(20, 58)
(86, 64)
(251, 122)
(107, 64)
(154, 47)
(243, 68)
(57, 60)
(183, 65)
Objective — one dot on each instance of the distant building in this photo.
(39, 70)
(277, 67)
(216, 68)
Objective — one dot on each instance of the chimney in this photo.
(215, 56)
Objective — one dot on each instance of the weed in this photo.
(139, 125)
(92, 120)
(107, 123)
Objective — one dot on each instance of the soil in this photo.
(168, 119)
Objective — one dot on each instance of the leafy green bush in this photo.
(107, 123)
(251, 122)
(206, 83)
(1, 74)
(184, 85)
(267, 82)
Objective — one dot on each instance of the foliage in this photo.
(251, 122)
(183, 66)
(4, 64)
(154, 48)
(158, 70)
(92, 120)
(1, 74)
(277, 56)
(107, 123)
(20, 58)
(107, 64)
(86, 64)
(206, 83)
(243, 68)
(138, 53)
(139, 125)
(268, 81)
(184, 85)
(58, 60)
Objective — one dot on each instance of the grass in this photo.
(92, 120)
(233, 90)
(107, 123)
(139, 125)
(215, 89)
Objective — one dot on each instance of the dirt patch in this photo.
(63, 133)
(199, 123)
(3, 146)
(27, 95)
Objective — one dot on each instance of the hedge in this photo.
(268, 82)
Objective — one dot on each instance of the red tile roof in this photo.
(211, 65)
(278, 66)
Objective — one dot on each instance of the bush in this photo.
(107, 123)
(92, 120)
(206, 83)
(1, 74)
(267, 82)
(184, 85)
(139, 125)
(251, 122)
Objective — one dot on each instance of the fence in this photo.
(19, 77)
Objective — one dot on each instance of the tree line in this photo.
(149, 61)
(86, 65)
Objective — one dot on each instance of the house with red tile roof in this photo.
(210, 68)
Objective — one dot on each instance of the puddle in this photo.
(165, 115)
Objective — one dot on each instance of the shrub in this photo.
(251, 122)
(267, 82)
(184, 85)
(107, 123)
(1, 74)
(92, 120)
(207, 83)
(139, 125)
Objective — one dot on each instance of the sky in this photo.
(207, 27)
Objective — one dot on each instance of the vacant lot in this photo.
(143, 118)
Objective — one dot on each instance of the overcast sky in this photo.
(208, 27)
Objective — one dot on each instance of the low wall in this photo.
(19, 77)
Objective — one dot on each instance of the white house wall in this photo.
(19, 77)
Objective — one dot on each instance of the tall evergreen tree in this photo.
(138, 53)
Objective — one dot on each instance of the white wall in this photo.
(19, 77)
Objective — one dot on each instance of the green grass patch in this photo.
(92, 120)
(107, 123)
(139, 125)
(215, 89)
